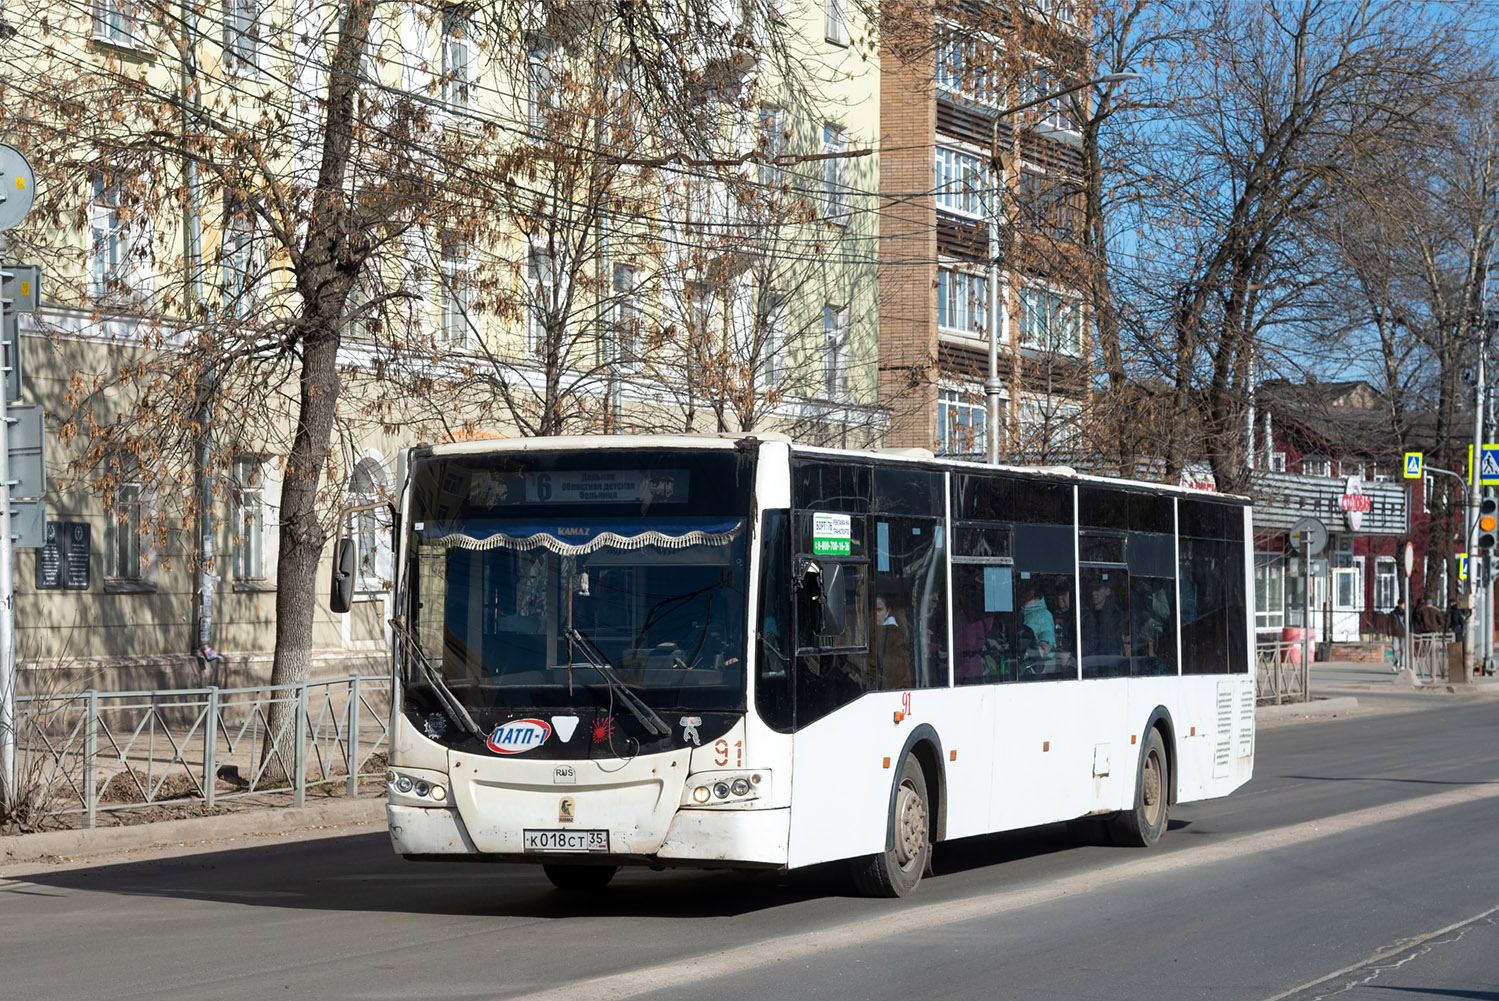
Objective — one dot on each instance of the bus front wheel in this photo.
(896, 871)
(579, 877)
(1143, 826)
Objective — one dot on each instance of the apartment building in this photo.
(979, 230)
(541, 249)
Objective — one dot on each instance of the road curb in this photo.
(67, 844)
(1317, 707)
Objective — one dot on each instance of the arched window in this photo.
(370, 525)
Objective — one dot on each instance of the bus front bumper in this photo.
(695, 837)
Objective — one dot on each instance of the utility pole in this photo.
(17, 190)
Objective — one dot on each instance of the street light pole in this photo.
(992, 385)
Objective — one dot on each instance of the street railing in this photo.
(1280, 672)
(1429, 657)
(99, 751)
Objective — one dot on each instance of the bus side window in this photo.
(832, 671)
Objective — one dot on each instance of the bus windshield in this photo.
(533, 575)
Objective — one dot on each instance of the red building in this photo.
(1327, 451)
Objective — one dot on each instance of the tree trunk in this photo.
(334, 253)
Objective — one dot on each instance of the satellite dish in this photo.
(17, 187)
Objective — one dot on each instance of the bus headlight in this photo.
(403, 783)
(439, 793)
(726, 788)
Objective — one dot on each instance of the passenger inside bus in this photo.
(1105, 624)
(891, 645)
(1037, 635)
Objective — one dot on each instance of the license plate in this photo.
(566, 841)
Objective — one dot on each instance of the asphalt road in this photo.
(1359, 864)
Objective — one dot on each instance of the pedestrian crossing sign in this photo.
(1462, 566)
(1488, 466)
(1413, 465)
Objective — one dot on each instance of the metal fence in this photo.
(1280, 671)
(1429, 657)
(101, 751)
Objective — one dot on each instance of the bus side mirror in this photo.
(341, 591)
(823, 584)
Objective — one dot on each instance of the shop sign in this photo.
(1355, 503)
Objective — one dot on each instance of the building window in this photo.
(125, 553)
(1316, 465)
(114, 23)
(698, 298)
(455, 317)
(835, 357)
(542, 95)
(1351, 467)
(772, 143)
(543, 275)
(960, 182)
(962, 302)
(369, 525)
(457, 51)
(835, 21)
(772, 340)
(242, 36)
(238, 254)
(1059, 11)
(109, 269)
(1277, 462)
(629, 319)
(1054, 114)
(962, 423)
(361, 317)
(835, 174)
(249, 520)
(1386, 586)
(1049, 322)
(966, 69)
(1048, 204)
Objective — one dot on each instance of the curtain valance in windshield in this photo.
(582, 538)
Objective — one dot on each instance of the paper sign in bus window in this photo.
(999, 593)
(832, 534)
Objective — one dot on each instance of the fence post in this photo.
(299, 755)
(90, 759)
(351, 734)
(210, 747)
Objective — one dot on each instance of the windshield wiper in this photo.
(449, 702)
(600, 663)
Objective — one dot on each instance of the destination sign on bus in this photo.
(585, 486)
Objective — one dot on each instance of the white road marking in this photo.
(905, 918)
(1404, 945)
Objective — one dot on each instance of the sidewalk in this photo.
(1338, 689)
(1345, 688)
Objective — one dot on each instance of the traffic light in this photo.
(1488, 523)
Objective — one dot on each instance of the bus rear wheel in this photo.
(896, 871)
(1143, 825)
(579, 877)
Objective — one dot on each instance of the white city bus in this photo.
(742, 652)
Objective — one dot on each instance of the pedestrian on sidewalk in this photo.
(1457, 619)
(1395, 625)
(1428, 617)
